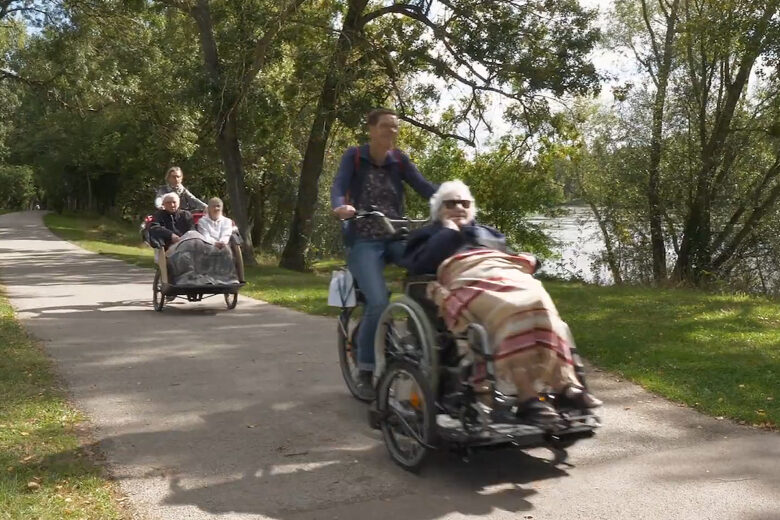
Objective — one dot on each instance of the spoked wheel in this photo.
(231, 300)
(158, 299)
(349, 325)
(406, 334)
(408, 414)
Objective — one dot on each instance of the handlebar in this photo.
(388, 222)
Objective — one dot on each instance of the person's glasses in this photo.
(450, 204)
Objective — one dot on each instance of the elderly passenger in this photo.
(173, 184)
(170, 223)
(478, 281)
(214, 226)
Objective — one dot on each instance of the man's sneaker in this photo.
(365, 385)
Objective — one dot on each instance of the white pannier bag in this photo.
(342, 289)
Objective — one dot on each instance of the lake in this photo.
(578, 242)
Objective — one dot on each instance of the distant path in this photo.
(205, 413)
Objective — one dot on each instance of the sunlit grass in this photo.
(45, 473)
(717, 353)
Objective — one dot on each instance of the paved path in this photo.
(205, 413)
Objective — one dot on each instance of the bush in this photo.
(17, 189)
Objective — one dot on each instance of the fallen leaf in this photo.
(33, 486)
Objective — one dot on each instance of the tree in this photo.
(226, 91)
(467, 42)
(723, 42)
(651, 34)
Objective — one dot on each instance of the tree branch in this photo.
(434, 130)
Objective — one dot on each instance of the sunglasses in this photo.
(450, 204)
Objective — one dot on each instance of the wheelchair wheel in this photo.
(404, 333)
(231, 300)
(407, 409)
(158, 298)
(348, 327)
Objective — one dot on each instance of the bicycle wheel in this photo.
(348, 327)
(158, 299)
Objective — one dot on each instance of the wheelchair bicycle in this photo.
(163, 290)
(425, 396)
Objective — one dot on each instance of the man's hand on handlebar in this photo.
(344, 212)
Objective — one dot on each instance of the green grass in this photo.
(717, 353)
(102, 235)
(45, 472)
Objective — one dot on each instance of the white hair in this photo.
(171, 195)
(454, 187)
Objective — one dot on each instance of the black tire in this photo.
(231, 300)
(158, 299)
(408, 425)
(348, 326)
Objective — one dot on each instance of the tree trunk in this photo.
(294, 254)
(230, 152)
(612, 261)
(258, 213)
(226, 127)
(657, 240)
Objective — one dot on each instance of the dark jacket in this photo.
(428, 247)
(164, 225)
(348, 184)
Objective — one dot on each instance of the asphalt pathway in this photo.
(205, 413)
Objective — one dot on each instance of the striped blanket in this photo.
(531, 344)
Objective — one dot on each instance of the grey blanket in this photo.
(195, 262)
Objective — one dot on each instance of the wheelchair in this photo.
(431, 396)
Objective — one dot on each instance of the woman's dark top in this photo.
(364, 185)
(164, 225)
(428, 247)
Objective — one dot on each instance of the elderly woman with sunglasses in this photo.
(479, 281)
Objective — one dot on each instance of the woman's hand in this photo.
(345, 211)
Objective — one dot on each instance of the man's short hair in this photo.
(373, 117)
(216, 201)
(170, 196)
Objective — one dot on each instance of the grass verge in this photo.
(45, 473)
(717, 353)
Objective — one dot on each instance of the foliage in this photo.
(717, 174)
(17, 188)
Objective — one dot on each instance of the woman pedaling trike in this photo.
(447, 375)
(348, 295)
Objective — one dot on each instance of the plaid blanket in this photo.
(531, 343)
